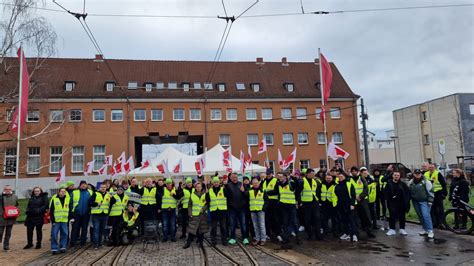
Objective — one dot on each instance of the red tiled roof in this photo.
(90, 77)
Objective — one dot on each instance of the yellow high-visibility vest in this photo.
(61, 212)
(103, 201)
(198, 203)
(149, 196)
(270, 186)
(130, 221)
(372, 191)
(185, 198)
(434, 179)
(309, 191)
(76, 197)
(168, 201)
(219, 201)
(256, 201)
(358, 185)
(119, 205)
(334, 196)
(326, 193)
(286, 195)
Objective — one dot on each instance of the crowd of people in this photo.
(281, 208)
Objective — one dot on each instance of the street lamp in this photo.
(395, 148)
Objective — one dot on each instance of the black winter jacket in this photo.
(37, 206)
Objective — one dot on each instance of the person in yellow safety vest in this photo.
(344, 200)
(148, 206)
(328, 211)
(134, 186)
(380, 203)
(118, 203)
(269, 183)
(285, 190)
(81, 212)
(126, 186)
(130, 224)
(198, 224)
(167, 204)
(372, 195)
(61, 212)
(309, 188)
(187, 190)
(217, 201)
(440, 192)
(100, 205)
(256, 198)
(362, 197)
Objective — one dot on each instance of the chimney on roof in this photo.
(316, 61)
(284, 62)
(260, 61)
(99, 58)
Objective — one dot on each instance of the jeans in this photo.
(8, 234)
(218, 217)
(98, 223)
(39, 233)
(79, 227)
(62, 230)
(422, 209)
(258, 220)
(271, 215)
(289, 220)
(312, 220)
(169, 223)
(237, 216)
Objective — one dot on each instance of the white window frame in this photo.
(240, 86)
(10, 161)
(197, 86)
(69, 85)
(157, 110)
(94, 113)
(334, 111)
(98, 156)
(336, 141)
(31, 114)
(9, 115)
(318, 113)
(308, 163)
(172, 85)
(148, 87)
(77, 159)
(191, 114)
(286, 135)
(174, 114)
(55, 159)
(300, 134)
(318, 135)
(208, 86)
(186, 86)
(252, 137)
(223, 137)
(112, 115)
(290, 87)
(301, 113)
(471, 108)
(216, 114)
(264, 117)
(135, 112)
(247, 112)
(227, 114)
(283, 117)
(255, 87)
(75, 115)
(160, 85)
(132, 85)
(265, 135)
(36, 156)
(52, 116)
(109, 86)
(221, 87)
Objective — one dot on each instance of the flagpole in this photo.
(20, 88)
(323, 109)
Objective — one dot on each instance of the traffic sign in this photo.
(442, 147)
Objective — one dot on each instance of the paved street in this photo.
(446, 249)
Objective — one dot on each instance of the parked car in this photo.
(405, 172)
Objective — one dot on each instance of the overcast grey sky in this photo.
(392, 58)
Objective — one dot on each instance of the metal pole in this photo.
(395, 147)
(364, 117)
(323, 104)
(17, 170)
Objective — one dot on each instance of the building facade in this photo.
(380, 150)
(84, 109)
(419, 128)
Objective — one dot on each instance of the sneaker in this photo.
(301, 229)
(293, 234)
(391, 232)
(382, 228)
(344, 237)
(261, 243)
(62, 250)
(28, 246)
(354, 238)
(232, 241)
(430, 234)
(403, 232)
(246, 241)
(54, 252)
(187, 245)
(255, 243)
(423, 233)
(279, 238)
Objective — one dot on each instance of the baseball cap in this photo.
(417, 171)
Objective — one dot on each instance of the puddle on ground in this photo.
(466, 250)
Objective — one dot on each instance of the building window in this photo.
(224, 140)
(109, 86)
(56, 115)
(139, 115)
(69, 85)
(471, 108)
(132, 85)
(318, 113)
(337, 137)
(252, 139)
(178, 114)
(323, 163)
(301, 113)
(33, 116)
(304, 164)
(268, 138)
(424, 117)
(75, 115)
(302, 138)
(10, 161)
(271, 165)
(9, 115)
(221, 86)
(116, 115)
(286, 113)
(157, 115)
(148, 86)
(216, 114)
(208, 86)
(240, 86)
(98, 155)
(251, 114)
(172, 85)
(267, 114)
(231, 114)
(197, 85)
(160, 85)
(426, 139)
(195, 114)
(185, 86)
(55, 159)
(321, 138)
(287, 138)
(33, 163)
(290, 87)
(335, 112)
(256, 87)
(98, 115)
(429, 160)
(77, 159)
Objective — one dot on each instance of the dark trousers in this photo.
(289, 220)
(347, 220)
(115, 222)
(272, 218)
(147, 213)
(363, 212)
(219, 218)
(397, 213)
(237, 216)
(39, 234)
(8, 233)
(79, 229)
(98, 222)
(184, 220)
(437, 210)
(169, 223)
(312, 220)
(328, 212)
(373, 215)
(249, 224)
(199, 238)
(381, 205)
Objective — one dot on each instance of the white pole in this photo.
(322, 102)
(17, 170)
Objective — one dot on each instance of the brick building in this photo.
(89, 108)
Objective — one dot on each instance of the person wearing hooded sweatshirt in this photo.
(81, 212)
(344, 200)
(118, 203)
(398, 203)
(187, 191)
(234, 191)
(61, 212)
(167, 203)
(37, 207)
(421, 194)
(460, 188)
(217, 202)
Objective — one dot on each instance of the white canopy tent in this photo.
(213, 163)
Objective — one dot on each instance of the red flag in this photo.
(200, 164)
(226, 158)
(248, 160)
(322, 115)
(327, 77)
(280, 159)
(62, 175)
(242, 162)
(336, 152)
(118, 168)
(178, 167)
(89, 168)
(25, 83)
(163, 167)
(262, 146)
(121, 158)
(109, 160)
(197, 165)
(267, 163)
(145, 164)
(129, 165)
(102, 169)
(289, 160)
